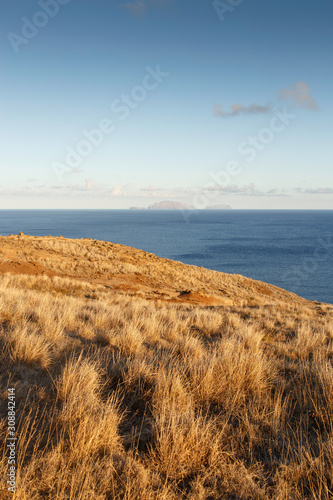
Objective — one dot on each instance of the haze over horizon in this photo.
(140, 101)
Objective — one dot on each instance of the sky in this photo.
(120, 103)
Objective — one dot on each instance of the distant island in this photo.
(176, 205)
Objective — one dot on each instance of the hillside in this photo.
(123, 269)
(141, 378)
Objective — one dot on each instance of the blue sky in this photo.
(111, 104)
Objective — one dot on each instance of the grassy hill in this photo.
(142, 378)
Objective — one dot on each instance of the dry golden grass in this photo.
(122, 397)
(129, 270)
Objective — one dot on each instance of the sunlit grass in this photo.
(122, 397)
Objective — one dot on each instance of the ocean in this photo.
(290, 249)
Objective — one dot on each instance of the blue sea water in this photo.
(290, 249)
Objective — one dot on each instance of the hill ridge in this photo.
(125, 269)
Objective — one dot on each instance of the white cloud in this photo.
(251, 190)
(315, 191)
(128, 191)
(151, 188)
(246, 190)
(139, 7)
(239, 109)
(90, 185)
(117, 191)
(299, 95)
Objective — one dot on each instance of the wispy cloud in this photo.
(139, 7)
(299, 95)
(118, 192)
(90, 185)
(251, 190)
(151, 188)
(246, 190)
(90, 189)
(315, 191)
(239, 109)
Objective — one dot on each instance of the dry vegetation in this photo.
(129, 392)
(123, 269)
